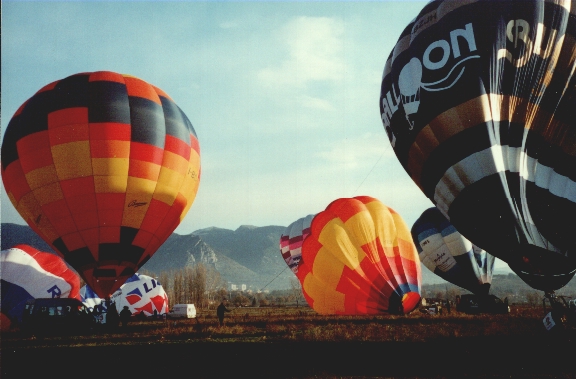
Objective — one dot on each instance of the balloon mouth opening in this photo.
(483, 289)
(543, 269)
(410, 301)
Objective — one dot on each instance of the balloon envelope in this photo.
(103, 167)
(27, 273)
(448, 254)
(478, 101)
(291, 241)
(360, 259)
(140, 293)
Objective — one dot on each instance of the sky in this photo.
(284, 96)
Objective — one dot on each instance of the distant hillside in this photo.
(186, 251)
(504, 286)
(14, 234)
(248, 255)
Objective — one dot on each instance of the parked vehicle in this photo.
(56, 315)
(182, 311)
(474, 304)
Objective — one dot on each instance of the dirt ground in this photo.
(478, 357)
(302, 346)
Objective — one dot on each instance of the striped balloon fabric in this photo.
(448, 254)
(27, 273)
(103, 166)
(360, 259)
(478, 99)
(140, 293)
(291, 241)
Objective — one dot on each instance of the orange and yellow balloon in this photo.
(103, 166)
(360, 259)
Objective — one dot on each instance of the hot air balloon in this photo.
(27, 273)
(103, 167)
(291, 241)
(448, 254)
(360, 259)
(478, 101)
(140, 293)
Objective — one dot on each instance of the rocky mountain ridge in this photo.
(248, 255)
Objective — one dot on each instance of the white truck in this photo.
(182, 311)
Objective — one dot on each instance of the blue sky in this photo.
(283, 95)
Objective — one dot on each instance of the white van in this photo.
(182, 311)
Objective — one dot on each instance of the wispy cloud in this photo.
(315, 46)
(361, 151)
(315, 103)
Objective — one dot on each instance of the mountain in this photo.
(248, 255)
(186, 250)
(14, 234)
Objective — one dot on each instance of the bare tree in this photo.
(221, 293)
(165, 282)
(199, 284)
(533, 298)
(214, 285)
(296, 291)
(240, 300)
(451, 293)
(178, 287)
(188, 285)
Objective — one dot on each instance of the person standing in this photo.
(125, 315)
(220, 311)
(112, 318)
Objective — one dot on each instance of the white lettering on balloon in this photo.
(518, 31)
(407, 89)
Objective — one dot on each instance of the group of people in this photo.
(113, 318)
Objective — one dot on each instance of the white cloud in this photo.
(315, 53)
(315, 103)
(364, 150)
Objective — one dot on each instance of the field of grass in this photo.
(298, 343)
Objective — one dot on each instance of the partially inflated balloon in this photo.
(140, 293)
(291, 241)
(360, 259)
(478, 99)
(103, 167)
(448, 254)
(27, 273)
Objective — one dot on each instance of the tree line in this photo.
(204, 287)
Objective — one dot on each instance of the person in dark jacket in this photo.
(112, 318)
(125, 315)
(220, 311)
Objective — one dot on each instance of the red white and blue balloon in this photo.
(141, 293)
(27, 273)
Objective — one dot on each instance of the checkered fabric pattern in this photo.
(103, 166)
